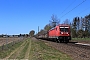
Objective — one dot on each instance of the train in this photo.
(60, 33)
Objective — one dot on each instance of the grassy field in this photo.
(33, 50)
(40, 51)
(9, 48)
(81, 39)
(20, 51)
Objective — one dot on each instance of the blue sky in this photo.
(22, 16)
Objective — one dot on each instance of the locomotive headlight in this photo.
(66, 32)
(61, 32)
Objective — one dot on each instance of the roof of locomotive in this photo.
(63, 25)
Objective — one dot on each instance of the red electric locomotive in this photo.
(60, 33)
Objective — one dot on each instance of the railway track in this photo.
(76, 44)
(83, 44)
(78, 51)
(80, 45)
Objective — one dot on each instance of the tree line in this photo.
(80, 26)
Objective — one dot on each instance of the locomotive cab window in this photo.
(64, 29)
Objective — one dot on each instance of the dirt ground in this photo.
(76, 53)
(82, 41)
(18, 52)
(4, 41)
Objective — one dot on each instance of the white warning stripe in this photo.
(83, 44)
(64, 27)
(61, 27)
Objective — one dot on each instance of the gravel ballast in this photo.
(75, 52)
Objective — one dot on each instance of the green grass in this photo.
(40, 51)
(8, 49)
(86, 39)
(22, 53)
(17, 54)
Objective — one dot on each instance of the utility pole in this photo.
(6, 41)
(38, 31)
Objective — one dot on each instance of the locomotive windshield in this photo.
(64, 29)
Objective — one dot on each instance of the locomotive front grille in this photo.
(65, 37)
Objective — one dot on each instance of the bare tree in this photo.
(74, 23)
(78, 23)
(66, 21)
(54, 20)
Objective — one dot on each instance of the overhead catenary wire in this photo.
(84, 10)
(74, 8)
(68, 7)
